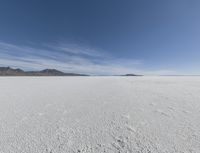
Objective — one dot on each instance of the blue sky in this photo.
(101, 36)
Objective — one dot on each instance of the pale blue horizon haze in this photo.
(102, 37)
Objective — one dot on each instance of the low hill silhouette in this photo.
(7, 71)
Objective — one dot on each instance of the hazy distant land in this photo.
(7, 71)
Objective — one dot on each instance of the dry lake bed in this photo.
(100, 114)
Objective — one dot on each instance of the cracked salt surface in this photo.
(99, 114)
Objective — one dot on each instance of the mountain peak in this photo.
(7, 71)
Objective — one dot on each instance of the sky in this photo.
(102, 37)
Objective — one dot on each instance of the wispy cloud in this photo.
(75, 49)
(68, 58)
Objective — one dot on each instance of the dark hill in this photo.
(132, 75)
(7, 71)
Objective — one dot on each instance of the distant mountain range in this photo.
(7, 71)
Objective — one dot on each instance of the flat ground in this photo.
(99, 114)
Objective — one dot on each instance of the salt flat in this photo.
(99, 114)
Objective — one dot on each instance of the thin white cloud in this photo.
(75, 49)
(69, 58)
